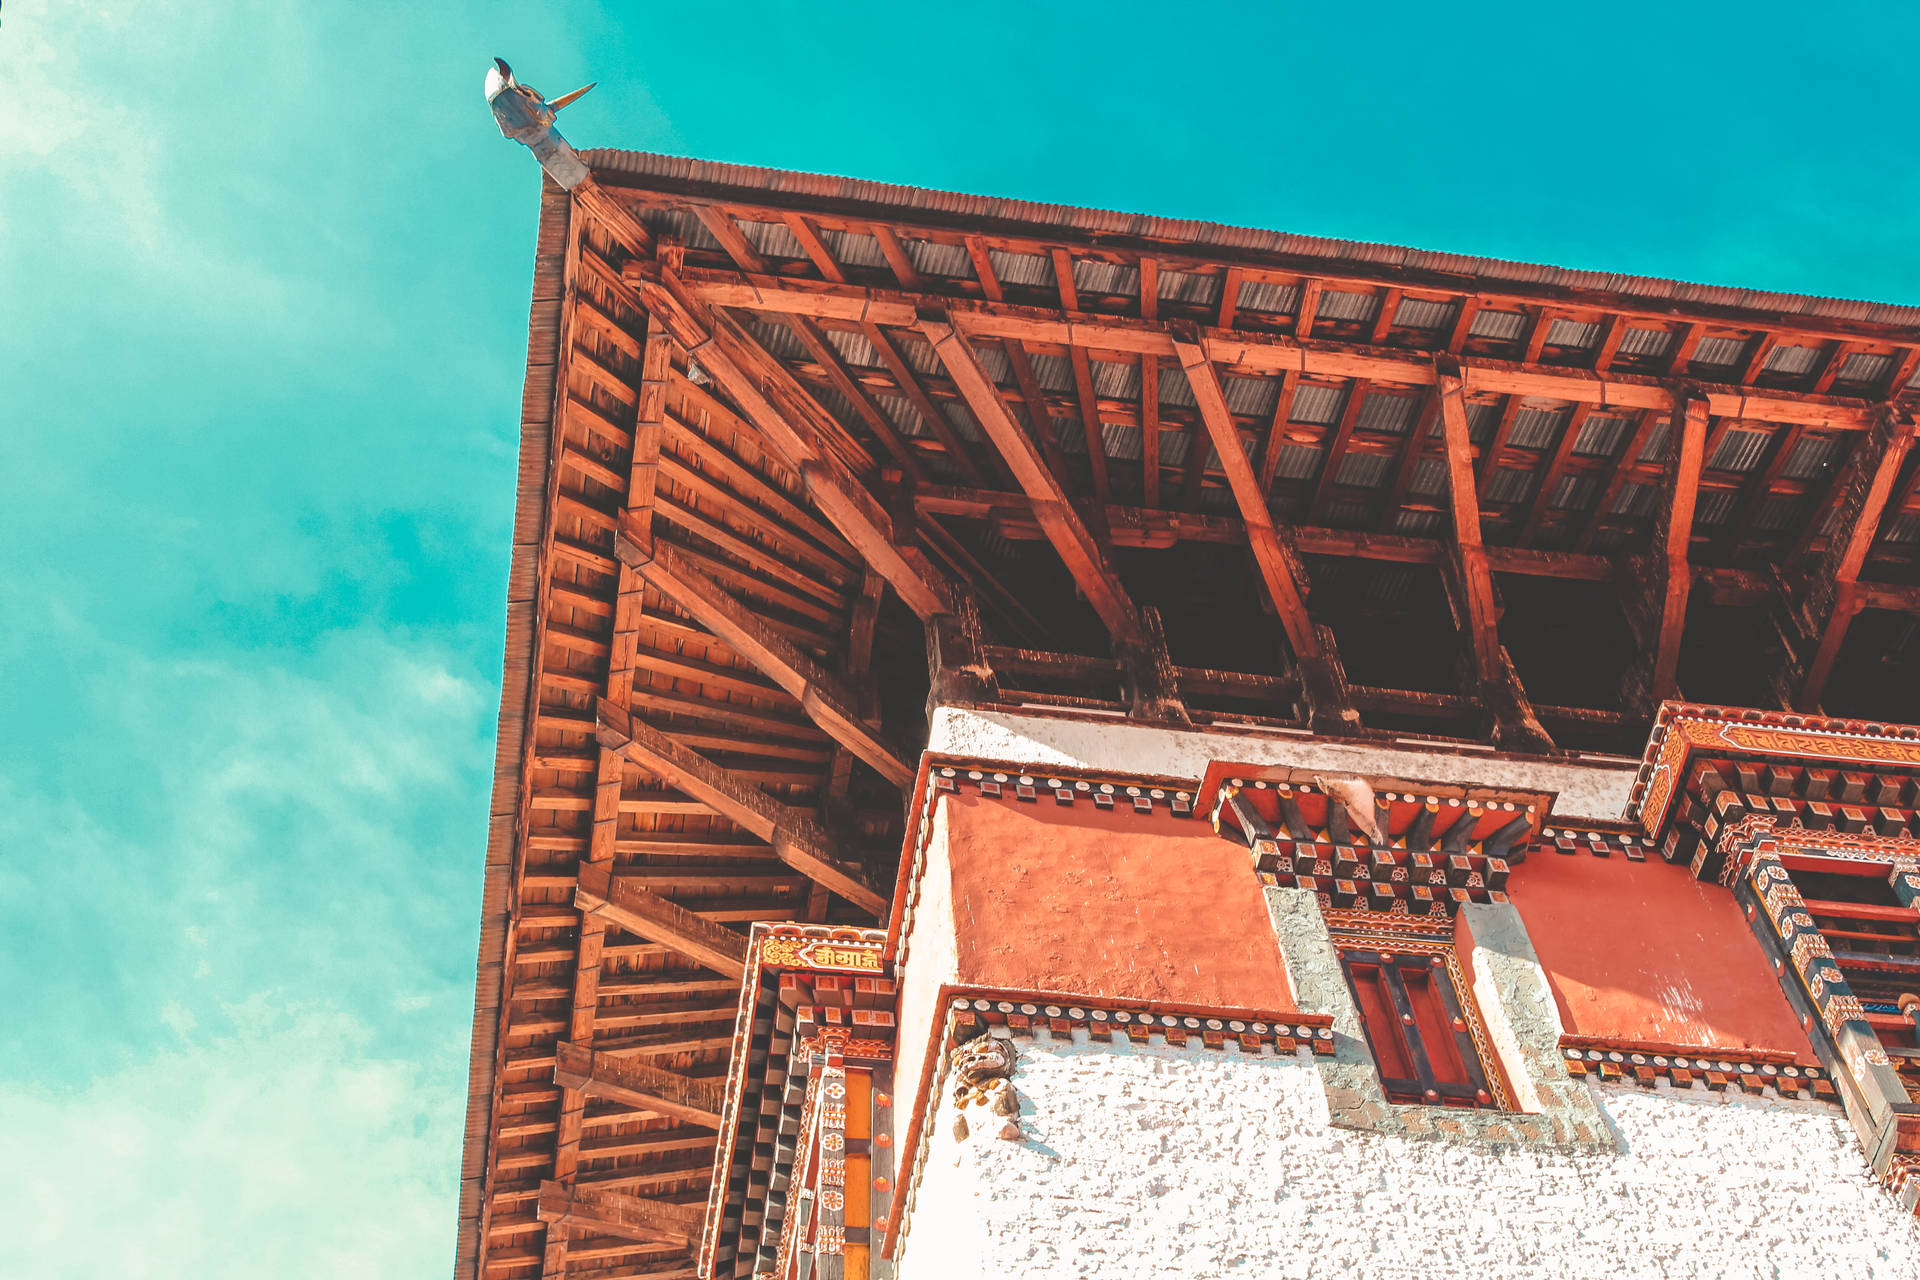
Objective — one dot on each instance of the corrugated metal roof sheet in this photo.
(1656, 447)
(1174, 446)
(1815, 455)
(1429, 475)
(1636, 343)
(1575, 334)
(1775, 514)
(932, 258)
(1501, 326)
(1575, 493)
(1190, 287)
(853, 248)
(1316, 404)
(1296, 462)
(1053, 373)
(1601, 435)
(1256, 396)
(1265, 296)
(1509, 485)
(1116, 380)
(1903, 528)
(904, 417)
(1792, 360)
(1714, 506)
(994, 358)
(1338, 305)
(1418, 522)
(1718, 353)
(1864, 366)
(1022, 270)
(853, 348)
(918, 353)
(1635, 500)
(1385, 412)
(1093, 276)
(772, 239)
(1483, 419)
(1363, 470)
(1740, 450)
(1423, 313)
(1121, 440)
(1536, 428)
(1174, 388)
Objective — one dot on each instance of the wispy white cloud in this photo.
(282, 1147)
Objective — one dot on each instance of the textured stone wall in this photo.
(1154, 1161)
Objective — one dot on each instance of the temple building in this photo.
(1039, 741)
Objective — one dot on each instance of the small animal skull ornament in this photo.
(1355, 795)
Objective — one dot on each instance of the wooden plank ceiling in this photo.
(789, 440)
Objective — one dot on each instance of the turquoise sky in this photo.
(265, 272)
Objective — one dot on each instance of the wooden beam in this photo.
(1262, 353)
(1085, 559)
(647, 915)
(1515, 726)
(796, 838)
(1821, 602)
(821, 695)
(1280, 570)
(615, 1213)
(1669, 575)
(796, 426)
(637, 1084)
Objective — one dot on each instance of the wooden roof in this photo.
(790, 442)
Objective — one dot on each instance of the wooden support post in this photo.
(612, 1213)
(1820, 602)
(821, 695)
(796, 838)
(1328, 708)
(1514, 725)
(637, 1084)
(1668, 575)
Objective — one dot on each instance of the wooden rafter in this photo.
(796, 426)
(796, 838)
(1280, 570)
(1412, 449)
(1336, 452)
(821, 695)
(1550, 478)
(615, 1213)
(1085, 558)
(1136, 641)
(1820, 603)
(638, 1084)
(1514, 723)
(617, 902)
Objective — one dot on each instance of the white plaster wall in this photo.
(1155, 1162)
(1586, 790)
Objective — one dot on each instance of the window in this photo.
(1428, 1046)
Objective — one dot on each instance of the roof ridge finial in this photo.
(525, 115)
